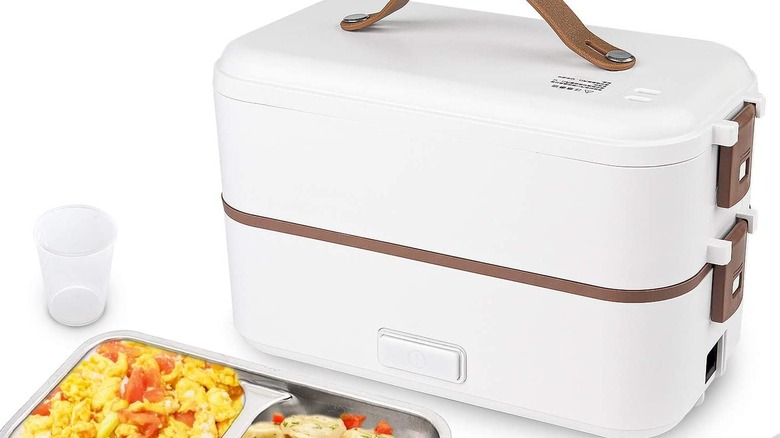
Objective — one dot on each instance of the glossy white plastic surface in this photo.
(615, 227)
(75, 248)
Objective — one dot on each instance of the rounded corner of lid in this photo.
(668, 126)
(731, 52)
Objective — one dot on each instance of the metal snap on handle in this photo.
(620, 56)
(356, 18)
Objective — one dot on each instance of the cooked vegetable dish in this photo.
(130, 390)
(318, 426)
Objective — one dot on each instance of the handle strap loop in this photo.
(556, 13)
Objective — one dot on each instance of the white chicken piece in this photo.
(315, 426)
(264, 430)
(363, 433)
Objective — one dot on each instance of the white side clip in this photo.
(759, 101)
(719, 252)
(725, 133)
(751, 217)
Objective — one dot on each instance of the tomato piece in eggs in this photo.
(112, 349)
(44, 409)
(144, 384)
(187, 418)
(166, 362)
(134, 388)
(148, 424)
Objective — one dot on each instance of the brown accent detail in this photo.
(725, 300)
(558, 15)
(391, 7)
(475, 267)
(731, 189)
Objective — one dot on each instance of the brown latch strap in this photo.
(735, 169)
(728, 283)
(558, 15)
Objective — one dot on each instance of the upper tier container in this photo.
(483, 137)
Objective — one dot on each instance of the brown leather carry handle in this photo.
(558, 15)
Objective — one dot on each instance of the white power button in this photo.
(417, 360)
(422, 356)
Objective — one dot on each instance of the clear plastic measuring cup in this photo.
(75, 248)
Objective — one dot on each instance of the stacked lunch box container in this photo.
(453, 202)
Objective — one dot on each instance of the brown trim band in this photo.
(475, 267)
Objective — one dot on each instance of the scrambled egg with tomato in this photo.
(130, 390)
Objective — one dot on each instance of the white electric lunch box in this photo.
(456, 203)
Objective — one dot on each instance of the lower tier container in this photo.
(608, 368)
(259, 394)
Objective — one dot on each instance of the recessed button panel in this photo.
(422, 356)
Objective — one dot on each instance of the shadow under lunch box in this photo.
(454, 202)
(264, 394)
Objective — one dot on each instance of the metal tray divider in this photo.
(257, 400)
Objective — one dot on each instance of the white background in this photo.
(109, 103)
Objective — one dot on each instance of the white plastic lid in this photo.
(509, 73)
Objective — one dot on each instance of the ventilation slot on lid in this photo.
(643, 95)
(639, 99)
(647, 91)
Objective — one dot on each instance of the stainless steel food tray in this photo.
(266, 390)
